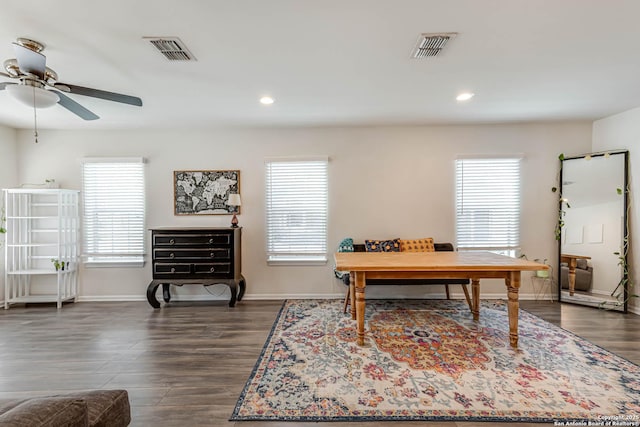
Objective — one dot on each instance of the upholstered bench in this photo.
(95, 408)
(345, 277)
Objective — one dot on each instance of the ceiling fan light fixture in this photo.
(33, 96)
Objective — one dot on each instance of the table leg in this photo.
(467, 297)
(572, 275)
(360, 304)
(475, 296)
(352, 294)
(513, 286)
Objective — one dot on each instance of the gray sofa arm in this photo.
(583, 278)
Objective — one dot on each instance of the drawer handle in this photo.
(213, 255)
(173, 270)
(210, 240)
(172, 255)
(171, 242)
(212, 269)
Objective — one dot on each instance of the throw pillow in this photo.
(346, 245)
(417, 245)
(382, 245)
(582, 264)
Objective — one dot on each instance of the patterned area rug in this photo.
(428, 360)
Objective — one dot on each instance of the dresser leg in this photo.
(166, 293)
(151, 294)
(242, 284)
(234, 291)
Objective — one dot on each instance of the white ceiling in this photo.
(332, 62)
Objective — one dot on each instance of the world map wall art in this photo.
(205, 192)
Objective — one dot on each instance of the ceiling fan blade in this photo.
(30, 62)
(5, 84)
(110, 96)
(60, 86)
(74, 107)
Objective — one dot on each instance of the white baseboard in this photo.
(110, 298)
(598, 292)
(205, 297)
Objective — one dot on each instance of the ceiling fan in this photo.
(38, 85)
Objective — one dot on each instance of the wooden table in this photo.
(470, 265)
(572, 262)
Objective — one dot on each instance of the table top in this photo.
(575, 256)
(432, 261)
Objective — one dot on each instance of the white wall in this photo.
(8, 159)
(370, 168)
(8, 178)
(622, 131)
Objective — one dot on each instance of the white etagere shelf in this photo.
(42, 224)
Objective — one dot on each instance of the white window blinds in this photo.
(296, 210)
(113, 211)
(488, 204)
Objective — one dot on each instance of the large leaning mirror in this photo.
(594, 232)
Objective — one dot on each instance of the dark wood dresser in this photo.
(196, 256)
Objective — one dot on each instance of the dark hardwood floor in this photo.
(186, 364)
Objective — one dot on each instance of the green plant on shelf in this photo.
(540, 273)
(3, 225)
(3, 221)
(59, 265)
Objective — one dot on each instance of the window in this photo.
(296, 209)
(113, 212)
(488, 204)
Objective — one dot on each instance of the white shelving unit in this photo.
(42, 224)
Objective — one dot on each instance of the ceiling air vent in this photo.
(431, 44)
(172, 48)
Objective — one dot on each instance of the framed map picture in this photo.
(205, 192)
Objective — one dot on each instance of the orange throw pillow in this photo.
(418, 245)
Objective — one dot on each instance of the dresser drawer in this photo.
(185, 270)
(192, 254)
(212, 269)
(204, 239)
(171, 268)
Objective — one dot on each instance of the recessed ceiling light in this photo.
(266, 100)
(465, 96)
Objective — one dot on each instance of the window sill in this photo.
(298, 262)
(114, 264)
